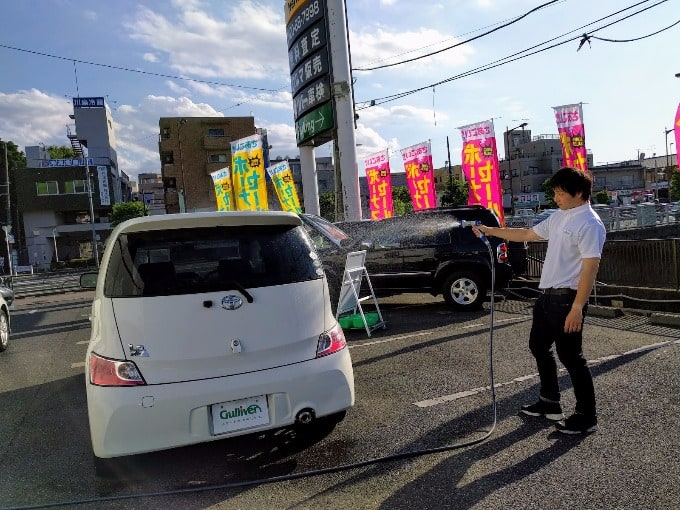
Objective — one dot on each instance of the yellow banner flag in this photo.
(282, 178)
(224, 194)
(248, 177)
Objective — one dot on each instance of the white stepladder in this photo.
(350, 293)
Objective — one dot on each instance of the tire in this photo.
(464, 290)
(4, 331)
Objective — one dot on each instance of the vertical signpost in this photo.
(310, 71)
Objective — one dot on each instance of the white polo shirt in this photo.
(572, 235)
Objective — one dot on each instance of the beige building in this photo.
(150, 192)
(191, 148)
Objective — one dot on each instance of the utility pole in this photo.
(8, 212)
(95, 251)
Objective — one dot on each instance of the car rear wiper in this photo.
(234, 285)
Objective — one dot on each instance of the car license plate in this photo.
(239, 414)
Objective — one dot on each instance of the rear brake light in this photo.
(111, 372)
(331, 341)
(502, 251)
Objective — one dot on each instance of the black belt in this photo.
(563, 291)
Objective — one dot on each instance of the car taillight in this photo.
(111, 372)
(502, 252)
(331, 341)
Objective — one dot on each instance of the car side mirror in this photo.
(88, 280)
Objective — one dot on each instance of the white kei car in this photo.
(207, 326)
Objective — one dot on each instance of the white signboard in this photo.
(351, 281)
(52, 163)
(104, 194)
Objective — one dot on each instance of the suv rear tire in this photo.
(464, 290)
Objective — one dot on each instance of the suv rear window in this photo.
(188, 261)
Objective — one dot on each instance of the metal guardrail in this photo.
(43, 283)
(634, 263)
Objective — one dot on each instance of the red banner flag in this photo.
(379, 182)
(420, 175)
(481, 168)
(572, 135)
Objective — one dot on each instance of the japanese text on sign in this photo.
(420, 176)
(379, 182)
(248, 181)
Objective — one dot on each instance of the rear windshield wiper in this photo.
(234, 285)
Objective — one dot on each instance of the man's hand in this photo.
(574, 321)
(481, 230)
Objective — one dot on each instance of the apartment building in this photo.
(64, 204)
(150, 192)
(190, 149)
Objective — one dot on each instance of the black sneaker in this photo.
(577, 424)
(549, 410)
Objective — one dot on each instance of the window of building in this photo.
(218, 158)
(216, 133)
(77, 186)
(600, 182)
(168, 158)
(166, 133)
(47, 188)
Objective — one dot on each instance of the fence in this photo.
(634, 263)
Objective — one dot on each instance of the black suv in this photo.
(426, 251)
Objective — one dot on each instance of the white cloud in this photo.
(247, 41)
(150, 57)
(29, 117)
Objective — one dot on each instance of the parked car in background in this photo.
(7, 293)
(543, 215)
(426, 251)
(4, 324)
(207, 326)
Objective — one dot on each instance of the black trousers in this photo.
(547, 329)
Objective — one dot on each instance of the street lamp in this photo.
(507, 156)
(183, 202)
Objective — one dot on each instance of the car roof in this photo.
(207, 219)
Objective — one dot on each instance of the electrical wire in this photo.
(139, 71)
(517, 56)
(459, 43)
(631, 40)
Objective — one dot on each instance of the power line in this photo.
(442, 41)
(460, 43)
(139, 71)
(517, 56)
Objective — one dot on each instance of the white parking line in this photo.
(83, 342)
(474, 391)
(393, 339)
(80, 364)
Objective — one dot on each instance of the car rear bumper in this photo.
(139, 419)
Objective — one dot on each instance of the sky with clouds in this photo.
(153, 59)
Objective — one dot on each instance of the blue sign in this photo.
(88, 102)
(50, 163)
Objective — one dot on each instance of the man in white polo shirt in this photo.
(575, 236)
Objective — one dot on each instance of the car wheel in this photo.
(4, 331)
(464, 290)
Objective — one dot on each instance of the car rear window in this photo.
(189, 261)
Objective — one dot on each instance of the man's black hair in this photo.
(572, 181)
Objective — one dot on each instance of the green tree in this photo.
(549, 194)
(61, 152)
(675, 185)
(455, 193)
(602, 197)
(401, 199)
(127, 210)
(327, 205)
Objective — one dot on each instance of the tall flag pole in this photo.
(572, 133)
(420, 175)
(379, 182)
(481, 168)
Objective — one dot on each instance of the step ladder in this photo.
(350, 299)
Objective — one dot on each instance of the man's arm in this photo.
(574, 321)
(511, 234)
